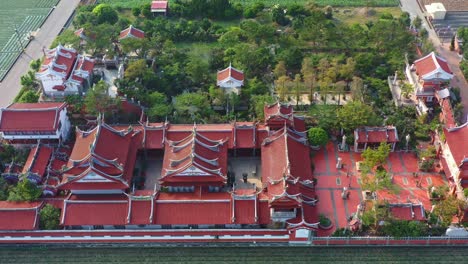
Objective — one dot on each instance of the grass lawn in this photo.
(198, 49)
(358, 15)
(195, 255)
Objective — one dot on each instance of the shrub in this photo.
(324, 221)
(317, 136)
(49, 217)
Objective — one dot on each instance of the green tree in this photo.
(280, 69)
(136, 45)
(29, 97)
(29, 81)
(197, 70)
(97, 99)
(356, 114)
(105, 14)
(136, 11)
(25, 190)
(375, 157)
(101, 38)
(35, 65)
(136, 70)
(67, 38)
(192, 106)
(257, 103)
(373, 161)
(4, 189)
(49, 217)
(447, 208)
(158, 106)
(317, 136)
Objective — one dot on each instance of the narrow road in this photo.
(10, 85)
(412, 7)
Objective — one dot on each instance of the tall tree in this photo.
(24, 191)
(98, 100)
(49, 217)
(159, 108)
(356, 114)
(105, 14)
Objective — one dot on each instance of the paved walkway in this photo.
(11, 83)
(330, 183)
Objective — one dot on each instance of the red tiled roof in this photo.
(97, 212)
(376, 134)
(132, 32)
(140, 213)
(430, 63)
(192, 212)
(159, 5)
(104, 151)
(244, 211)
(407, 212)
(31, 117)
(195, 159)
(59, 60)
(447, 113)
(19, 215)
(230, 72)
(84, 65)
(38, 160)
(278, 114)
(245, 135)
(285, 159)
(457, 141)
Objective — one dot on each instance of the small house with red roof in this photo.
(65, 72)
(372, 137)
(27, 123)
(428, 75)
(159, 7)
(131, 32)
(230, 79)
(36, 166)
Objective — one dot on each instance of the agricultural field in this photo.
(194, 255)
(26, 16)
(344, 3)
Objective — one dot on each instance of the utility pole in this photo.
(19, 38)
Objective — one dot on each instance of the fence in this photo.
(389, 241)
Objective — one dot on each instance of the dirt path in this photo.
(10, 85)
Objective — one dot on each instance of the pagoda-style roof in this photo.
(285, 173)
(38, 160)
(433, 67)
(131, 32)
(24, 117)
(196, 159)
(278, 114)
(230, 77)
(102, 158)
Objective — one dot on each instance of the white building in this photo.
(26, 123)
(65, 72)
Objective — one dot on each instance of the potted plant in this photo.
(318, 137)
(324, 222)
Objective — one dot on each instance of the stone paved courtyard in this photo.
(330, 183)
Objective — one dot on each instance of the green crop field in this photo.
(26, 16)
(194, 255)
(350, 3)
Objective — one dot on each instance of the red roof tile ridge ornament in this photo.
(303, 222)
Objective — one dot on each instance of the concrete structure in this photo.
(372, 137)
(436, 10)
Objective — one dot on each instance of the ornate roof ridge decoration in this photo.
(289, 116)
(296, 197)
